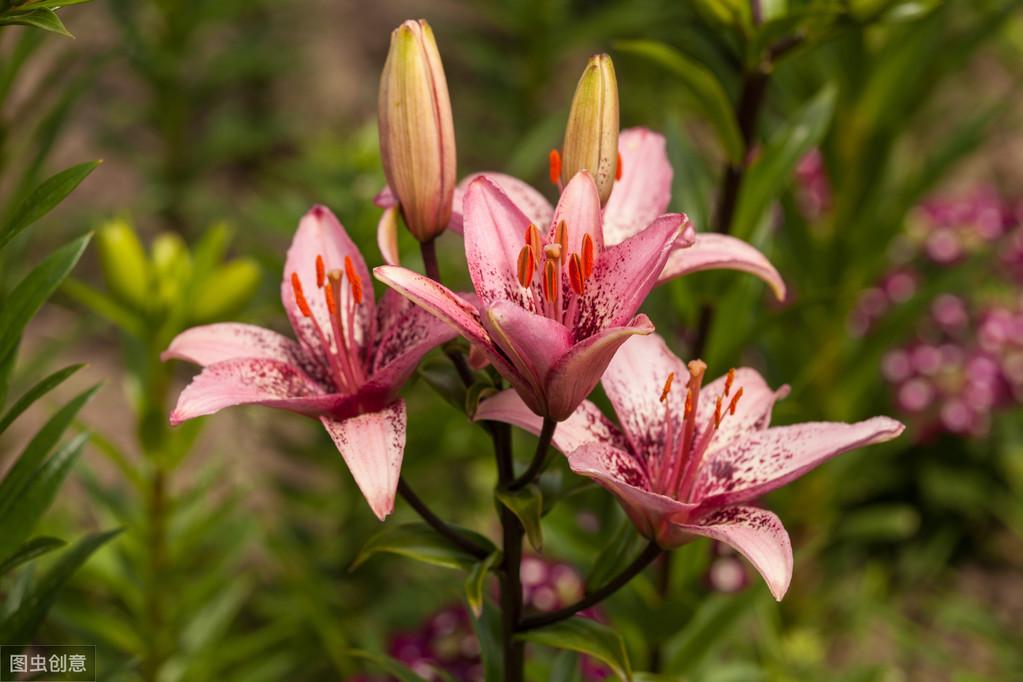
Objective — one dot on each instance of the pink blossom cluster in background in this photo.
(446, 640)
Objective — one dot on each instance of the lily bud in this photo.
(417, 136)
(591, 137)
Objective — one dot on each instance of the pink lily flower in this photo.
(641, 192)
(554, 306)
(687, 459)
(351, 357)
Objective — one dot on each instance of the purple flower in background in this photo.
(813, 189)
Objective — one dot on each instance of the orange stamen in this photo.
(533, 241)
(320, 272)
(526, 265)
(689, 402)
(328, 294)
(717, 412)
(561, 235)
(618, 168)
(735, 401)
(354, 280)
(575, 274)
(296, 286)
(667, 386)
(550, 281)
(729, 381)
(587, 256)
(555, 163)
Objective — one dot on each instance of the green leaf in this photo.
(586, 637)
(105, 306)
(23, 623)
(615, 555)
(35, 547)
(23, 510)
(773, 169)
(442, 377)
(46, 196)
(488, 633)
(35, 393)
(386, 663)
(43, 18)
(420, 542)
(35, 452)
(705, 91)
(713, 621)
(30, 294)
(527, 504)
(477, 580)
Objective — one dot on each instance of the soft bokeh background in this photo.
(886, 185)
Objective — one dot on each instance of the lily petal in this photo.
(407, 333)
(623, 475)
(495, 232)
(752, 409)
(534, 343)
(258, 381)
(579, 207)
(579, 370)
(387, 236)
(529, 200)
(755, 533)
(719, 251)
(644, 190)
(386, 198)
(586, 425)
(634, 381)
(321, 234)
(372, 446)
(624, 274)
(765, 460)
(213, 343)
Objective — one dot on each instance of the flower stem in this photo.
(437, 523)
(651, 552)
(543, 447)
(511, 543)
(429, 251)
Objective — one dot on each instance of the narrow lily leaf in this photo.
(717, 616)
(706, 93)
(442, 377)
(47, 195)
(35, 547)
(386, 663)
(35, 452)
(614, 555)
(586, 637)
(35, 393)
(420, 542)
(30, 294)
(43, 18)
(28, 504)
(477, 580)
(23, 623)
(527, 504)
(773, 169)
(105, 306)
(565, 668)
(488, 633)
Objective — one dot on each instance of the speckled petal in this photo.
(533, 204)
(765, 460)
(372, 446)
(722, 252)
(644, 190)
(253, 381)
(228, 341)
(755, 533)
(752, 411)
(532, 342)
(579, 207)
(586, 425)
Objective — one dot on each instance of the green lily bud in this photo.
(172, 267)
(417, 136)
(591, 137)
(124, 263)
(231, 287)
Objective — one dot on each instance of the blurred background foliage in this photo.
(833, 134)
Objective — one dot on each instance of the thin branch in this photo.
(438, 524)
(539, 620)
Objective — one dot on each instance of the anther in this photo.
(526, 265)
(550, 281)
(729, 381)
(328, 294)
(296, 287)
(353, 280)
(667, 386)
(587, 256)
(618, 168)
(533, 240)
(575, 274)
(561, 235)
(689, 402)
(555, 164)
(735, 401)
(320, 272)
(717, 412)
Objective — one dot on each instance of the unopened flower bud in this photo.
(591, 137)
(125, 265)
(417, 136)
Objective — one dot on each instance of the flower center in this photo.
(685, 442)
(547, 262)
(340, 342)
